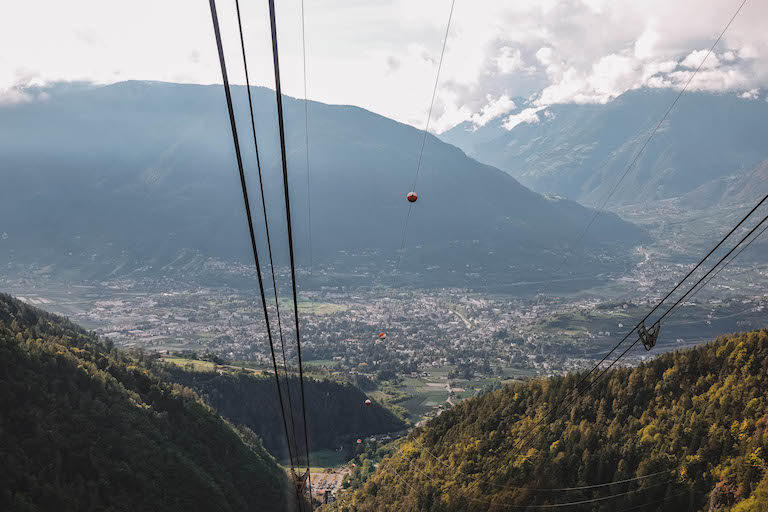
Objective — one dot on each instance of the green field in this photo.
(310, 307)
(321, 459)
(422, 395)
(322, 362)
(197, 364)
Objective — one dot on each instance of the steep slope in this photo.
(700, 416)
(336, 413)
(84, 427)
(737, 189)
(580, 151)
(141, 175)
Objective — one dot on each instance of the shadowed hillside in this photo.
(85, 427)
(336, 412)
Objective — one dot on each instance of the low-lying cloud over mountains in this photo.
(383, 55)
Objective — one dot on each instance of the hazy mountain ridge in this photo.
(580, 151)
(700, 414)
(736, 189)
(108, 180)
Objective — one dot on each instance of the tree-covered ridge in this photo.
(700, 414)
(85, 427)
(336, 413)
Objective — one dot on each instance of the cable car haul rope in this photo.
(411, 196)
(302, 480)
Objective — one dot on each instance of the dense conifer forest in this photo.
(86, 427)
(336, 413)
(692, 424)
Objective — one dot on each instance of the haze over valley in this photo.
(433, 256)
(146, 247)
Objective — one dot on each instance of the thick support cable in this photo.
(578, 390)
(266, 227)
(658, 321)
(658, 305)
(238, 155)
(697, 286)
(686, 296)
(281, 127)
(510, 506)
(721, 269)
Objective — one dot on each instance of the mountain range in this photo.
(710, 150)
(107, 181)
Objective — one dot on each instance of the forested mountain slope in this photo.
(336, 412)
(84, 427)
(700, 416)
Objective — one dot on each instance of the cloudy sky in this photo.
(382, 55)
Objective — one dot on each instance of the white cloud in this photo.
(13, 95)
(511, 60)
(529, 115)
(609, 77)
(382, 55)
(751, 94)
(544, 55)
(21, 92)
(666, 66)
(699, 58)
(712, 80)
(748, 51)
(492, 110)
(646, 44)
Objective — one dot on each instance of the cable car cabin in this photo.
(359, 441)
(412, 197)
(382, 335)
(649, 336)
(367, 401)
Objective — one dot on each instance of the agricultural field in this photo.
(329, 363)
(425, 395)
(320, 460)
(200, 365)
(195, 364)
(311, 307)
